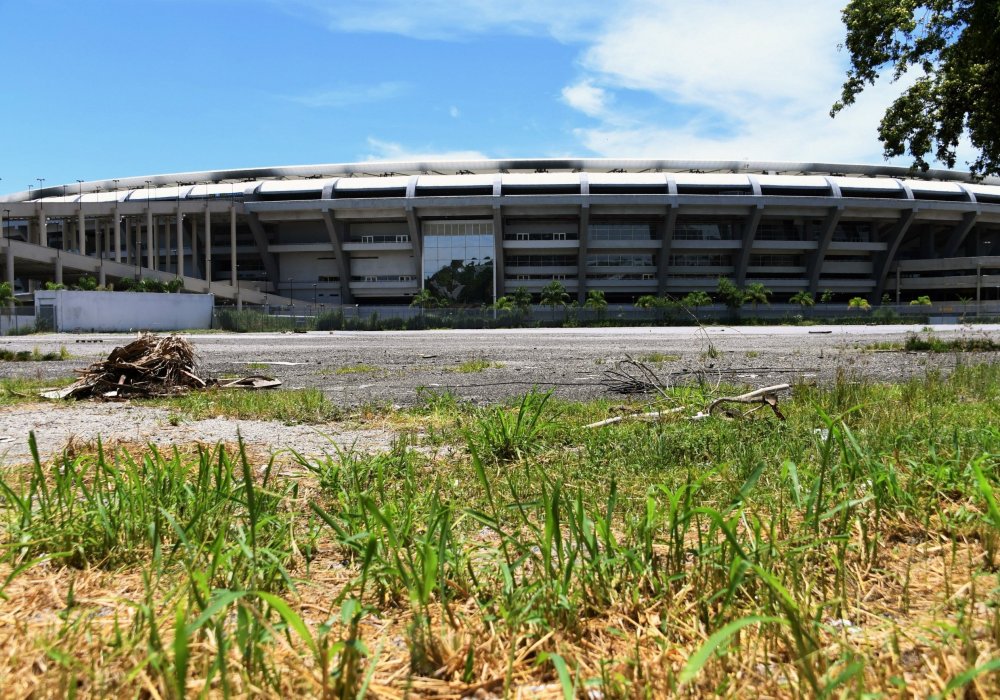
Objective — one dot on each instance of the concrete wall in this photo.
(126, 311)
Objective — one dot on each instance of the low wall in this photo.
(71, 311)
(15, 323)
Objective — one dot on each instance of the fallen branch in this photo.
(764, 396)
(641, 416)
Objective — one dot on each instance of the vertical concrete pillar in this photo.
(193, 224)
(208, 245)
(59, 269)
(69, 233)
(43, 227)
(127, 248)
(149, 237)
(9, 256)
(232, 256)
(81, 232)
(117, 235)
(180, 243)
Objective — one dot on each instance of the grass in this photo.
(286, 405)
(35, 355)
(474, 366)
(929, 343)
(19, 390)
(851, 550)
(658, 358)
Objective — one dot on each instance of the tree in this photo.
(859, 303)
(826, 297)
(503, 304)
(596, 302)
(803, 299)
(646, 301)
(522, 299)
(692, 300)
(729, 294)
(425, 299)
(554, 294)
(954, 47)
(756, 293)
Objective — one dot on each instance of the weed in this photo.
(474, 366)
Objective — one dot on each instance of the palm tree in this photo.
(756, 293)
(425, 299)
(859, 303)
(646, 301)
(503, 304)
(803, 299)
(522, 300)
(554, 294)
(596, 303)
(692, 300)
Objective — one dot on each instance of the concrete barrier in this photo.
(73, 311)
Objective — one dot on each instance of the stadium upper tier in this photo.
(473, 230)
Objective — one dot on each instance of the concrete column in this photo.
(149, 238)
(9, 255)
(117, 234)
(59, 269)
(43, 227)
(69, 232)
(128, 248)
(102, 280)
(180, 243)
(208, 246)
(232, 256)
(81, 232)
(193, 224)
(583, 228)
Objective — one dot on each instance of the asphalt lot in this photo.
(355, 368)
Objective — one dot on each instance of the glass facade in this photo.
(458, 260)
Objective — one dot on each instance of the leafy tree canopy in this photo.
(954, 46)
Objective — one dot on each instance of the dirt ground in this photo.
(358, 368)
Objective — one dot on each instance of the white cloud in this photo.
(730, 79)
(586, 97)
(457, 19)
(349, 95)
(453, 111)
(388, 150)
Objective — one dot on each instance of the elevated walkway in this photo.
(44, 262)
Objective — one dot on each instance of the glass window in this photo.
(458, 260)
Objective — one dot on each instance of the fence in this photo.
(356, 317)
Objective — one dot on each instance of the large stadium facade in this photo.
(475, 230)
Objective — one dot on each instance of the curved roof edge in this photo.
(467, 167)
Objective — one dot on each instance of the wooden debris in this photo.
(641, 416)
(766, 396)
(148, 366)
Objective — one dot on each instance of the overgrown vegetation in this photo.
(851, 550)
(34, 355)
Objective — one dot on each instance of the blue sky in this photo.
(115, 88)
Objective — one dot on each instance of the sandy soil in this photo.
(356, 368)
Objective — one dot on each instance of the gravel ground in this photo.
(355, 368)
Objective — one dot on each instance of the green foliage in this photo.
(86, 283)
(826, 296)
(53, 286)
(505, 434)
(647, 301)
(886, 299)
(554, 294)
(803, 299)
(522, 299)
(923, 300)
(729, 294)
(756, 293)
(859, 304)
(173, 286)
(425, 299)
(953, 49)
(693, 300)
(503, 304)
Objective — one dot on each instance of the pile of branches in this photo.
(149, 366)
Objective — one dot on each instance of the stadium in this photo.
(472, 231)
